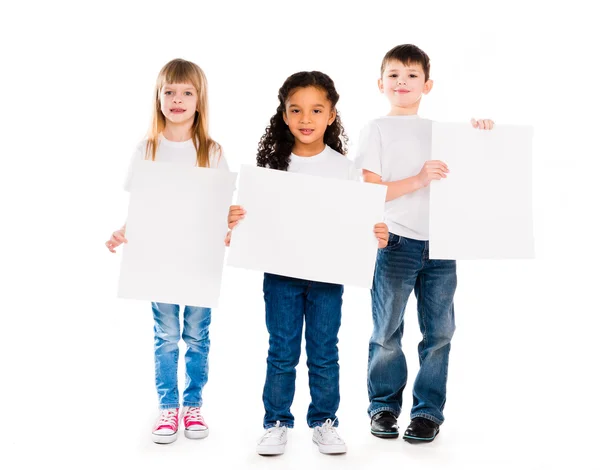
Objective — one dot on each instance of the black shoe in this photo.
(384, 425)
(421, 430)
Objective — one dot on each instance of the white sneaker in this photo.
(328, 440)
(273, 441)
(165, 429)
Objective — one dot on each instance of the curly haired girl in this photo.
(305, 136)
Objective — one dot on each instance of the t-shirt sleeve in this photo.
(368, 154)
(138, 155)
(217, 159)
(354, 174)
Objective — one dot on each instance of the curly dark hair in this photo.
(276, 144)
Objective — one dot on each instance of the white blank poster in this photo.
(307, 227)
(483, 209)
(176, 227)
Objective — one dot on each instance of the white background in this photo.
(77, 363)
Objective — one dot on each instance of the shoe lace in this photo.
(330, 432)
(167, 417)
(192, 414)
(274, 431)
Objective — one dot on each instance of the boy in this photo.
(394, 150)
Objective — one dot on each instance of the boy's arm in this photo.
(395, 189)
(432, 170)
(369, 155)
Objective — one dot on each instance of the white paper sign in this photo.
(483, 209)
(175, 230)
(307, 227)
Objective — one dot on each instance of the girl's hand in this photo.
(228, 238)
(432, 170)
(236, 213)
(382, 233)
(116, 239)
(484, 124)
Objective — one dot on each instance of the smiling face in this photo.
(308, 112)
(178, 103)
(403, 85)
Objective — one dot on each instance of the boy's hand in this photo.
(382, 233)
(484, 124)
(236, 213)
(432, 170)
(116, 239)
(228, 238)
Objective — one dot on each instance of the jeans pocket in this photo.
(393, 241)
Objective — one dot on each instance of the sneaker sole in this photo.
(271, 450)
(195, 434)
(386, 435)
(162, 439)
(338, 449)
(419, 440)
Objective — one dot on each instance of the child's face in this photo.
(178, 102)
(403, 85)
(308, 112)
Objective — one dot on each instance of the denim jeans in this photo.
(402, 266)
(289, 303)
(166, 353)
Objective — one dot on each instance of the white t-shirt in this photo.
(396, 147)
(328, 163)
(173, 152)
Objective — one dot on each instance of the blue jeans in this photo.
(166, 353)
(402, 266)
(289, 303)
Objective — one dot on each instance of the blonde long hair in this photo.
(183, 71)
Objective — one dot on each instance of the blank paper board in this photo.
(483, 209)
(176, 226)
(307, 227)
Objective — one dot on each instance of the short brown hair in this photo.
(407, 54)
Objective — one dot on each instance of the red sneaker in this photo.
(195, 427)
(165, 430)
